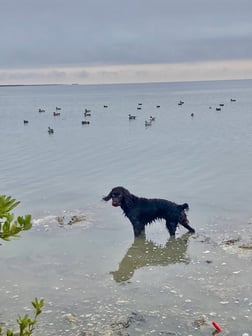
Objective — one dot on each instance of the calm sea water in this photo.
(204, 160)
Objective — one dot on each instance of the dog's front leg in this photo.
(185, 222)
(138, 227)
(171, 227)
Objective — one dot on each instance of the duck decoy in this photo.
(131, 117)
(147, 123)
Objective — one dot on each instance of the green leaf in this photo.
(9, 333)
(7, 203)
(8, 226)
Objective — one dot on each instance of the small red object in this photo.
(216, 326)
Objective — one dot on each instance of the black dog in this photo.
(142, 211)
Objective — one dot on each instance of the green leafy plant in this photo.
(9, 226)
(26, 323)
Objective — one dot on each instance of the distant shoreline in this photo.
(15, 85)
(134, 83)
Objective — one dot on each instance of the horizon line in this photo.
(129, 83)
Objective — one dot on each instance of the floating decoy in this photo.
(147, 123)
(131, 117)
(218, 109)
(158, 106)
(50, 130)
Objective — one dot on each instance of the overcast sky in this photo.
(103, 41)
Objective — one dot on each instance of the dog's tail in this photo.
(184, 206)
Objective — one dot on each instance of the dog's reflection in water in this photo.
(147, 253)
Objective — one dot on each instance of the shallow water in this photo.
(94, 269)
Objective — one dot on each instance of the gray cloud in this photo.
(87, 32)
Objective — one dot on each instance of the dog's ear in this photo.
(108, 197)
(128, 198)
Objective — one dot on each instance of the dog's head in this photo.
(118, 195)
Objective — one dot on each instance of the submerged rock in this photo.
(238, 245)
(70, 317)
(88, 333)
(246, 246)
(125, 321)
(231, 241)
(76, 219)
(200, 321)
(50, 222)
(117, 328)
